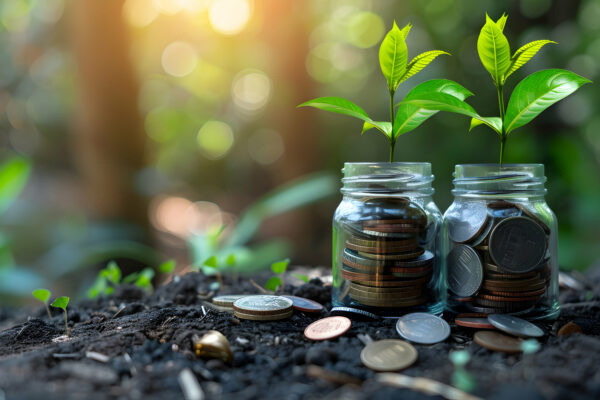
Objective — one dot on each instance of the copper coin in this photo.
(461, 299)
(420, 220)
(353, 276)
(532, 293)
(384, 269)
(503, 277)
(473, 320)
(497, 341)
(535, 280)
(371, 289)
(393, 304)
(327, 328)
(305, 305)
(383, 242)
(394, 256)
(502, 306)
(381, 248)
(395, 283)
(506, 298)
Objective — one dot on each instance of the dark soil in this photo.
(150, 342)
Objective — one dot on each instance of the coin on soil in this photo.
(423, 328)
(465, 272)
(227, 300)
(354, 313)
(305, 305)
(497, 341)
(473, 320)
(518, 244)
(262, 304)
(327, 328)
(388, 355)
(515, 326)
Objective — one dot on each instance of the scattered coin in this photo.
(327, 328)
(423, 328)
(213, 345)
(388, 355)
(305, 305)
(353, 313)
(473, 320)
(263, 317)
(262, 304)
(518, 244)
(497, 341)
(515, 326)
(227, 300)
(569, 329)
(466, 220)
(465, 272)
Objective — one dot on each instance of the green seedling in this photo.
(279, 268)
(462, 379)
(167, 267)
(393, 60)
(530, 97)
(110, 277)
(213, 263)
(62, 303)
(43, 295)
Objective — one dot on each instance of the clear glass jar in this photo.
(502, 242)
(386, 240)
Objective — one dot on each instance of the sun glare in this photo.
(179, 59)
(229, 16)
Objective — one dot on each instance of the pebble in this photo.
(569, 329)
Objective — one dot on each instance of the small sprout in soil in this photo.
(461, 379)
(43, 295)
(167, 267)
(213, 262)
(62, 302)
(278, 268)
(110, 277)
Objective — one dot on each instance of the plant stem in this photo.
(502, 112)
(392, 140)
(48, 310)
(67, 324)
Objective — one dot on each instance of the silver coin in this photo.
(466, 220)
(515, 326)
(353, 313)
(423, 328)
(227, 300)
(465, 271)
(422, 260)
(518, 244)
(484, 234)
(263, 304)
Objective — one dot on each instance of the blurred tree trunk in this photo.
(110, 139)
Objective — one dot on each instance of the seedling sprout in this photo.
(43, 295)
(62, 302)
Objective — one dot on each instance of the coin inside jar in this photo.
(466, 220)
(388, 355)
(465, 271)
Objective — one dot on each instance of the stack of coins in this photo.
(385, 261)
(263, 308)
(499, 260)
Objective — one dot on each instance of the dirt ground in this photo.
(149, 343)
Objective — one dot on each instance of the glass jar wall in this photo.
(387, 240)
(502, 242)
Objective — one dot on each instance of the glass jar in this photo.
(386, 240)
(502, 242)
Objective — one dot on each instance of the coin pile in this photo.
(499, 262)
(263, 308)
(384, 260)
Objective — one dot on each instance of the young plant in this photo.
(110, 277)
(461, 378)
(43, 295)
(530, 97)
(393, 60)
(279, 268)
(62, 303)
(213, 263)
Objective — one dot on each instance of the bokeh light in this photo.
(365, 29)
(179, 59)
(140, 13)
(215, 138)
(251, 90)
(229, 16)
(265, 146)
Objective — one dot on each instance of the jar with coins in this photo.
(502, 242)
(387, 240)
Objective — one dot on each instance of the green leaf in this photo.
(446, 102)
(13, 176)
(131, 277)
(144, 279)
(420, 62)
(273, 283)
(524, 54)
(279, 267)
(393, 56)
(382, 126)
(112, 273)
(493, 50)
(405, 31)
(337, 105)
(230, 260)
(303, 278)
(502, 21)
(496, 123)
(42, 295)
(61, 302)
(537, 92)
(409, 117)
(167, 267)
(211, 262)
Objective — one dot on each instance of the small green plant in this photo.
(43, 295)
(110, 277)
(530, 97)
(393, 60)
(213, 262)
(462, 379)
(62, 303)
(279, 267)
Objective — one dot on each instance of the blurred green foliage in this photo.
(218, 103)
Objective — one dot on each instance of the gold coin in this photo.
(392, 303)
(388, 355)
